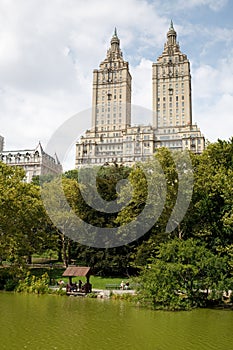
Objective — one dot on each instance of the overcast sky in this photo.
(48, 50)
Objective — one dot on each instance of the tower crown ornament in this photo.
(115, 39)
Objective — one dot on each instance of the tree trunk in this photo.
(29, 259)
(64, 255)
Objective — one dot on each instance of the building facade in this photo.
(1, 143)
(111, 99)
(34, 162)
(112, 138)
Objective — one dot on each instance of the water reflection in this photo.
(53, 322)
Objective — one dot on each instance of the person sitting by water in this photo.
(80, 285)
(122, 285)
(68, 287)
(60, 282)
(127, 285)
(74, 287)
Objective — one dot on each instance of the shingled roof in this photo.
(77, 271)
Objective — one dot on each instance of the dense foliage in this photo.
(196, 255)
(184, 274)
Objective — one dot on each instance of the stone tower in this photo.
(111, 98)
(112, 138)
(172, 101)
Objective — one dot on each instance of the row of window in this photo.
(171, 112)
(109, 96)
(107, 128)
(111, 147)
(177, 78)
(164, 86)
(170, 105)
(164, 71)
(114, 64)
(171, 98)
(109, 92)
(113, 105)
(102, 122)
(164, 123)
(171, 59)
(170, 92)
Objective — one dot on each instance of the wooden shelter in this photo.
(79, 271)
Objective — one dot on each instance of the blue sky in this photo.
(48, 50)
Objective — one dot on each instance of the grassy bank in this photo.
(55, 274)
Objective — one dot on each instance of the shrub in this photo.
(33, 284)
(10, 285)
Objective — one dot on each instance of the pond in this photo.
(58, 322)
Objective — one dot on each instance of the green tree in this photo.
(110, 261)
(22, 216)
(184, 274)
(169, 174)
(210, 216)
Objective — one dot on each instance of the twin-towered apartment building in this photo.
(112, 137)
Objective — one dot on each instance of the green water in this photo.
(53, 322)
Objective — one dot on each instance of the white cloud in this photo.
(216, 116)
(142, 84)
(213, 98)
(48, 50)
(214, 5)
